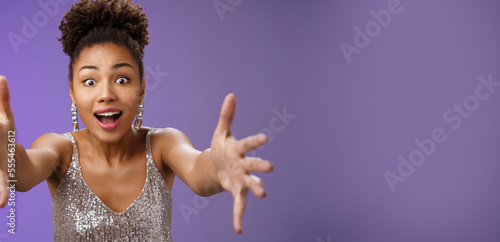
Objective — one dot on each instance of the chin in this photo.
(111, 135)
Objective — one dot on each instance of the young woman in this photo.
(112, 180)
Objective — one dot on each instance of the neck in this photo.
(113, 152)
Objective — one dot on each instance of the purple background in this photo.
(352, 120)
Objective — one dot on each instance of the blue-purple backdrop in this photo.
(383, 115)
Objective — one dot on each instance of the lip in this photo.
(104, 110)
(112, 125)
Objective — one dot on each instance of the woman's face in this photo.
(106, 90)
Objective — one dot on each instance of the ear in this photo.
(143, 89)
(71, 95)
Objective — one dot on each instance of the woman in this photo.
(112, 180)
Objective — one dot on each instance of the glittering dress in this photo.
(79, 215)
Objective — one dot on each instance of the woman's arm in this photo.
(43, 157)
(27, 167)
(192, 166)
(223, 166)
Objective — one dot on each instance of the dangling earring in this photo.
(74, 117)
(140, 112)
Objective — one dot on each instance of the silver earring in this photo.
(74, 117)
(138, 119)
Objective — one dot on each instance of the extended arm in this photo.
(223, 166)
(29, 167)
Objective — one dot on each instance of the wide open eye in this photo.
(122, 80)
(89, 82)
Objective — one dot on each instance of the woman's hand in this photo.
(6, 124)
(233, 168)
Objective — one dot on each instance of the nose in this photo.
(107, 93)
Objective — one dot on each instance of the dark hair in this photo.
(92, 22)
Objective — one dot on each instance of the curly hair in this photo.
(92, 22)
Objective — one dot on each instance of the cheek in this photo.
(139, 92)
(81, 102)
(136, 96)
(131, 101)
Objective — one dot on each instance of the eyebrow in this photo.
(114, 67)
(88, 67)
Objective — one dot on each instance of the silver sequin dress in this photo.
(79, 215)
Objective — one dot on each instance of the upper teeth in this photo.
(108, 113)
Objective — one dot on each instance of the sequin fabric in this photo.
(79, 215)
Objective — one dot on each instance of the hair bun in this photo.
(86, 15)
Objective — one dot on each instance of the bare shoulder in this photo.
(53, 150)
(51, 140)
(58, 144)
(169, 137)
(169, 143)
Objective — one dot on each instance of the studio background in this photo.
(337, 122)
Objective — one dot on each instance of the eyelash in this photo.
(86, 80)
(127, 80)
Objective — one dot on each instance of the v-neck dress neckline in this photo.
(79, 214)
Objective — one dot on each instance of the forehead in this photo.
(104, 55)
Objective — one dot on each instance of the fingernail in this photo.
(267, 165)
(263, 137)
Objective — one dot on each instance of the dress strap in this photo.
(149, 155)
(75, 147)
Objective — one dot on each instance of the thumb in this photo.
(6, 115)
(226, 116)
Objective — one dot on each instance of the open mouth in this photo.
(108, 117)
